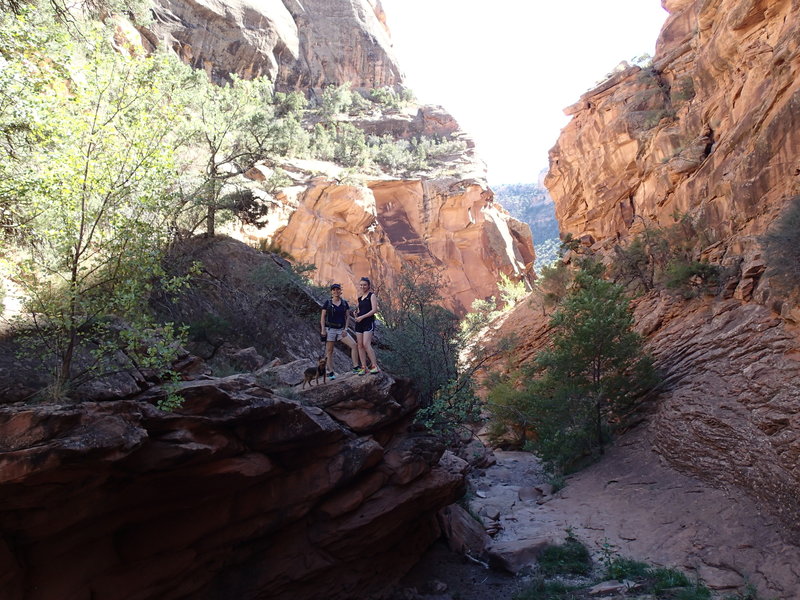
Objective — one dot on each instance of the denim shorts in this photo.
(334, 335)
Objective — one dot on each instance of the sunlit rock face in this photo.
(241, 493)
(299, 45)
(711, 131)
(374, 229)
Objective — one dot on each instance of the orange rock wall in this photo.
(353, 231)
(297, 45)
(712, 131)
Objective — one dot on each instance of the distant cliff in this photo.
(710, 134)
(298, 45)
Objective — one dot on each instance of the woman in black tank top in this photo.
(365, 324)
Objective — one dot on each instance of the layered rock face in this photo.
(727, 419)
(242, 493)
(451, 224)
(709, 132)
(299, 45)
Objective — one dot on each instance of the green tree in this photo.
(589, 379)
(233, 127)
(90, 194)
(423, 342)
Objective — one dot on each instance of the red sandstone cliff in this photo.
(241, 493)
(710, 132)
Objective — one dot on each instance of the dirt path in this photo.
(629, 501)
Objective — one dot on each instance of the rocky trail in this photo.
(629, 503)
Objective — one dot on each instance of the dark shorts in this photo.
(365, 325)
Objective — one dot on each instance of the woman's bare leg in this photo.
(348, 341)
(329, 356)
(370, 351)
(361, 351)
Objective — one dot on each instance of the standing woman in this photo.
(365, 325)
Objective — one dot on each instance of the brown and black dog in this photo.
(314, 373)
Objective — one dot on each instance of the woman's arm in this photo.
(322, 321)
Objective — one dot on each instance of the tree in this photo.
(590, 377)
(91, 197)
(423, 342)
(232, 127)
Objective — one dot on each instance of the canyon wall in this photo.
(708, 133)
(298, 45)
(241, 493)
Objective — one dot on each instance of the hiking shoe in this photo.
(331, 376)
(374, 370)
(356, 370)
(360, 371)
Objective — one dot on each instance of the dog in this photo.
(314, 373)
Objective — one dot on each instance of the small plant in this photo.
(511, 292)
(663, 579)
(172, 401)
(569, 558)
(691, 278)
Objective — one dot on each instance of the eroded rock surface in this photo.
(639, 508)
(298, 45)
(241, 493)
(726, 420)
(710, 131)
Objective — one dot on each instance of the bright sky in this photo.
(506, 69)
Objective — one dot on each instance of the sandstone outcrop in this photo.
(298, 45)
(240, 493)
(349, 231)
(709, 131)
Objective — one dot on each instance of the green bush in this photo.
(620, 568)
(590, 377)
(782, 247)
(569, 558)
(691, 278)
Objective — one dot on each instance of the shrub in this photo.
(423, 344)
(511, 292)
(586, 382)
(691, 278)
(569, 558)
(782, 246)
(334, 100)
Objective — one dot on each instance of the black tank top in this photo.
(364, 306)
